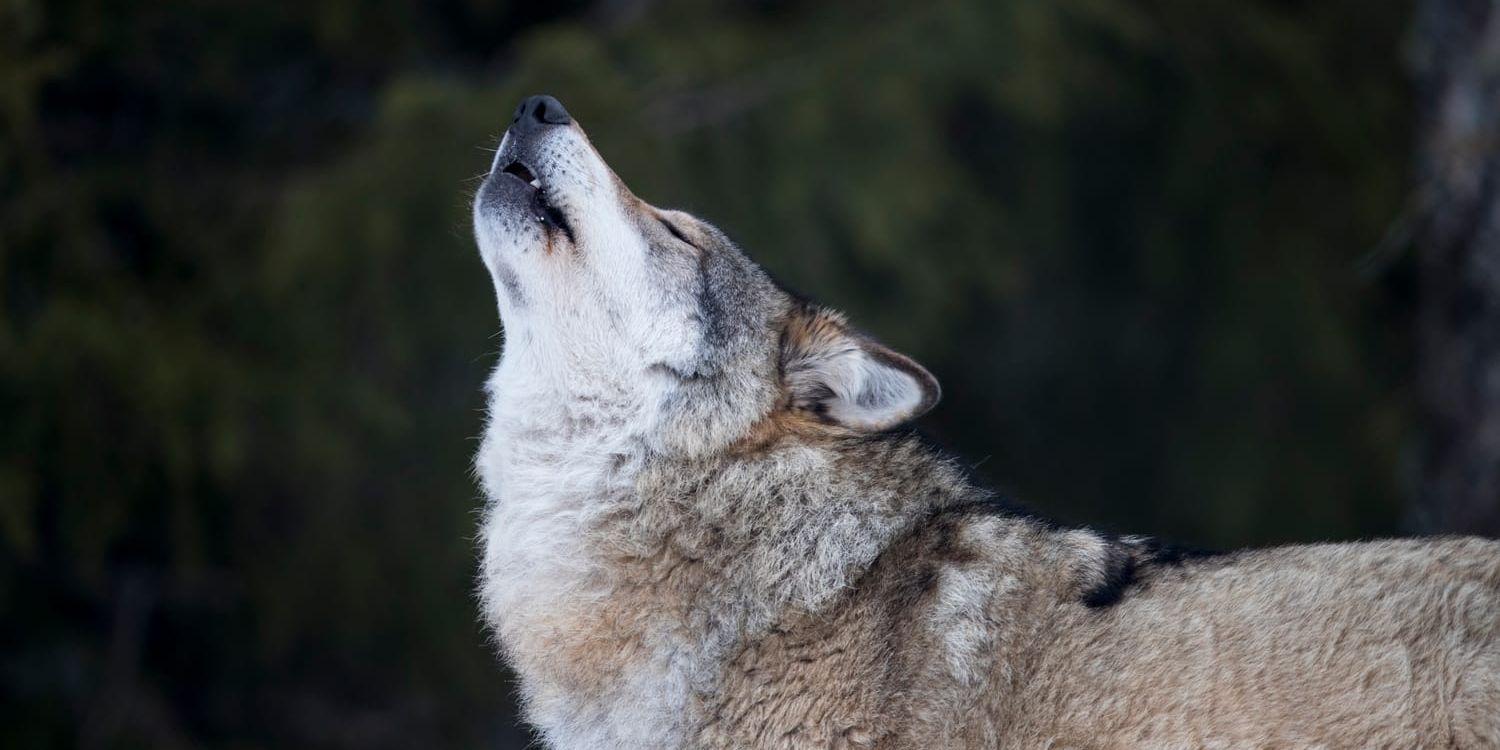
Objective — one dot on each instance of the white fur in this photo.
(859, 388)
(869, 394)
(570, 409)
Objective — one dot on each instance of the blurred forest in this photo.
(1152, 248)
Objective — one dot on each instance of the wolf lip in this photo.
(544, 211)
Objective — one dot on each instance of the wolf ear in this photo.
(848, 379)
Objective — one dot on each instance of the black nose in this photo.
(537, 112)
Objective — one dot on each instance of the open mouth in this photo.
(524, 173)
(543, 209)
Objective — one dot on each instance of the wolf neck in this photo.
(553, 460)
(619, 581)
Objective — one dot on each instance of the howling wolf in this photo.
(706, 529)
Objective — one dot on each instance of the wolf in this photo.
(707, 526)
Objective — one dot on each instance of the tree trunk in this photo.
(1457, 60)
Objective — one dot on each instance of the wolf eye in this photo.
(677, 233)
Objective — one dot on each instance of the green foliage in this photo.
(243, 327)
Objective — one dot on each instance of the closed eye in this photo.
(677, 233)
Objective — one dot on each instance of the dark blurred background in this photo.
(1210, 269)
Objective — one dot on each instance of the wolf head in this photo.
(608, 299)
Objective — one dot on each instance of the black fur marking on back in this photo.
(1121, 570)
(1161, 553)
(1130, 565)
